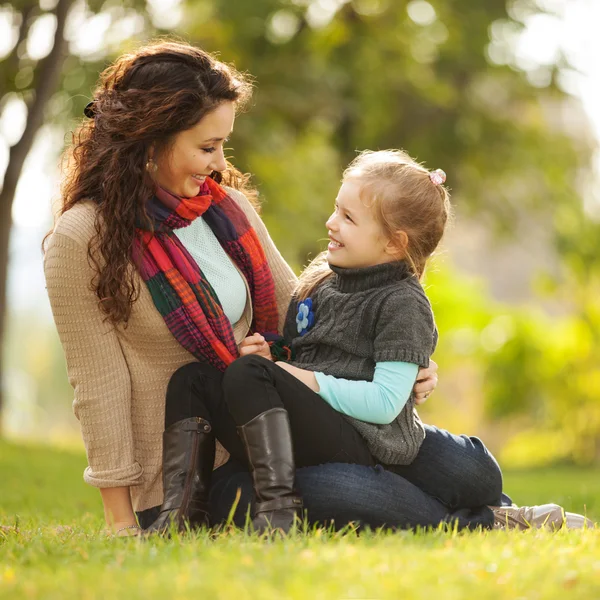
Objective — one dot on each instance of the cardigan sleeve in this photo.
(284, 278)
(96, 367)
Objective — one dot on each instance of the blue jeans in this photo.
(457, 470)
(452, 479)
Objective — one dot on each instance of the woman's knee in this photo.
(488, 473)
(481, 473)
(471, 472)
(188, 376)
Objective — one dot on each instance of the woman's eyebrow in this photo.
(216, 139)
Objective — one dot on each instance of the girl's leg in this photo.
(283, 423)
(337, 493)
(458, 470)
(253, 385)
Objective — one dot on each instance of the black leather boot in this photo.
(268, 442)
(188, 460)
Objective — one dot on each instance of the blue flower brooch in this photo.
(305, 318)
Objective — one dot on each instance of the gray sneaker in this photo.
(544, 516)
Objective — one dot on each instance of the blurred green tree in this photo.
(338, 76)
(35, 82)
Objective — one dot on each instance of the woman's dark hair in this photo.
(143, 99)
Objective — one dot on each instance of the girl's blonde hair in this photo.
(405, 198)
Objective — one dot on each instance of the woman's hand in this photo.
(427, 380)
(306, 377)
(255, 344)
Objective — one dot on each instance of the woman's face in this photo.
(195, 153)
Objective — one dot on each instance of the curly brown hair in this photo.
(141, 101)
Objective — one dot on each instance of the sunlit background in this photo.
(504, 96)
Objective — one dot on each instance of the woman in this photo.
(156, 130)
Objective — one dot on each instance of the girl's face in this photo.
(356, 237)
(195, 153)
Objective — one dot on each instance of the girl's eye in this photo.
(349, 219)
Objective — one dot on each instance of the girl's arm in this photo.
(379, 401)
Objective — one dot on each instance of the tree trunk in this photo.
(47, 79)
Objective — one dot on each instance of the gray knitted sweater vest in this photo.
(362, 317)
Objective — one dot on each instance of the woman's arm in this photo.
(96, 368)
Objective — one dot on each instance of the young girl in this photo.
(360, 326)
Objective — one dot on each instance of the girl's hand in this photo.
(306, 377)
(427, 381)
(255, 344)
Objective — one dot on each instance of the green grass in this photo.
(52, 546)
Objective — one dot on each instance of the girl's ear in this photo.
(398, 244)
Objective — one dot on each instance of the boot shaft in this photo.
(188, 460)
(268, 442)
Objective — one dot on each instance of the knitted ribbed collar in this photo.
(365, 278)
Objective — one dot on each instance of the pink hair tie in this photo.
(438, 177)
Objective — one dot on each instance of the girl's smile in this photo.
(334, 244)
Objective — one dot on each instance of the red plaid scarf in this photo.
(181, 292)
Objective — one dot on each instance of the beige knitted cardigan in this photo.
(120, 375)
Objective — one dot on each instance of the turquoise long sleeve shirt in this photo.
(379, 401)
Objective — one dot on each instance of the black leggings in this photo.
(252, 385)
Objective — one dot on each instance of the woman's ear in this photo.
(398, 244)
